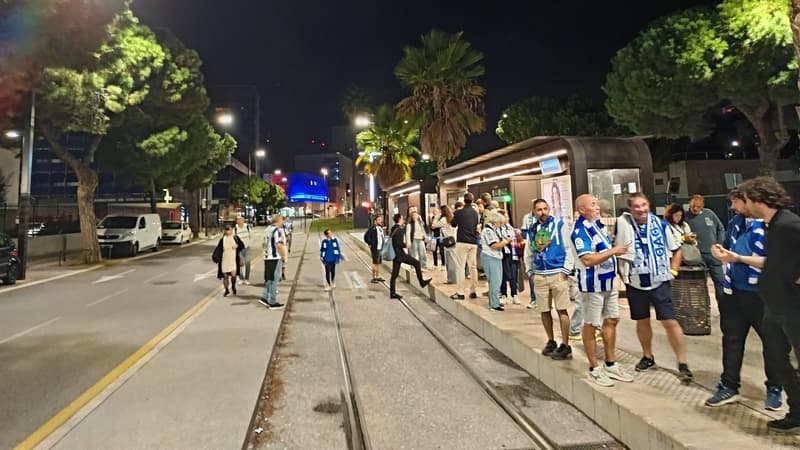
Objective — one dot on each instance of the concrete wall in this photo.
(52, 245)
(708, 177)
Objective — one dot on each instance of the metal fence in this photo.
(47, 218)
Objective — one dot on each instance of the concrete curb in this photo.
(637, 414)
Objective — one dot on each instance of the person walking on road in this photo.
(243, 231)
(228, 253)
(374, 238)
(274, 245)
(330, 253)
(466, 221)
(709, 231)
(647, 269)
(779, 286)
(401, 246)
(740, 307)
(596, 267)
(549, 263)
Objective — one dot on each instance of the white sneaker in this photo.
(333, 285)
(327, 288)
(514, 300)
(618, 373)
(599, 376)
(531, 305)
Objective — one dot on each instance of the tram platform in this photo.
(655, 411)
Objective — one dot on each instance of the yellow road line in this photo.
(70, 410)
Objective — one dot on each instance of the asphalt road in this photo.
(59, 338)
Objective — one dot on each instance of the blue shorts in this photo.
(639, 302)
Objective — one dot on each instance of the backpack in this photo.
(387, 252)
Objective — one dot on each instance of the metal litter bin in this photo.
(692, 302)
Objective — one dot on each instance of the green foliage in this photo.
(667, 80)
(273, 198)
(544, 116)
(355, 100)
(389, 147)
(445, 98)
(217, 150)
(249, 190)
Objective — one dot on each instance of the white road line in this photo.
(150, 280)
(24, 285)
(29, 330)
(107, 297)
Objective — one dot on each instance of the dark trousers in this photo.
(716, 272)
(403, 258)
(739, 312)
(330, 272)
(780, 335)
(510, 275)
(438, 252)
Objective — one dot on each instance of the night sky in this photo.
(302, 54)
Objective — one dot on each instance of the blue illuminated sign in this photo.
(304, 187)
(550, 166)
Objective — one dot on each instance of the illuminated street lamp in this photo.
(13, 134)
(362, 122)
(225, 119)
(277, 172)
(260, 153)
(426, 157)
(324, 173)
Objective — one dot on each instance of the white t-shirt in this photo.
(243, 233)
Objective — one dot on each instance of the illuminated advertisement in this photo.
(304, 187)
(557, 191)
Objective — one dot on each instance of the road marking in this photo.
(29, 330)
(112, 380)
(203, 276)
(113, 277)
(46, 280)
(107, 297)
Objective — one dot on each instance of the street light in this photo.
(225, 119)
(324, 173)
(13, 134)
(277, 172)
(426, 157)
(734, 143)
(260, 153)
(362, 122)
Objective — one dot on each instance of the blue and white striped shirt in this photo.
(589, 237)
(745, 237)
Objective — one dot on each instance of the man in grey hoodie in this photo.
(710, 231)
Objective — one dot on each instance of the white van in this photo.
(129, 234)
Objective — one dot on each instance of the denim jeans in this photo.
(576, 322)
(245, 263)
(530, 286)
(739, 312)
(271, 286)
(510, 276)
(781, 334)
(418, 252)
(452, 264)
(493, 268)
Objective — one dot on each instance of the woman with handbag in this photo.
(675, 218)
(448, 233)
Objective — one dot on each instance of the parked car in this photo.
(176, 233)
(9, 260)
(129, 234)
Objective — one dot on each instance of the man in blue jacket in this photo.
(549, 263)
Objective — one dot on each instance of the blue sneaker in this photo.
(723, 396)
(774, 399)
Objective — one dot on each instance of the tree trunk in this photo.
(194, 210)
(87, 186)
(153, 208)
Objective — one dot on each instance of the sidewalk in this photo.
(655, 411)
(199, 391)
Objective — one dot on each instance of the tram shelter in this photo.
(557, 169)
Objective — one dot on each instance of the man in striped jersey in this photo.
(647, 268)
(595, 267)
(740, 307)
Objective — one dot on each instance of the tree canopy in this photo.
(248, 190)
(545, 116)
(739, 55)
(389, 145)
(273, 198)
(446, 100)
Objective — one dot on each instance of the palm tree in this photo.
(389, 147)
(445, 97)
(355, 100)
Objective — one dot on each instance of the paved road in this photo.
(59, 338)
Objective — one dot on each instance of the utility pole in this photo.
(26, 160)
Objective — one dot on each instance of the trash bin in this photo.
(692, 302)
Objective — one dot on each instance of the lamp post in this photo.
(360, 122)
(324, 173)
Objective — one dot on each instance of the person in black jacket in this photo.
(374, 238)
(400, 245)
(466, 219)
(778, 285)
(228, 256)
